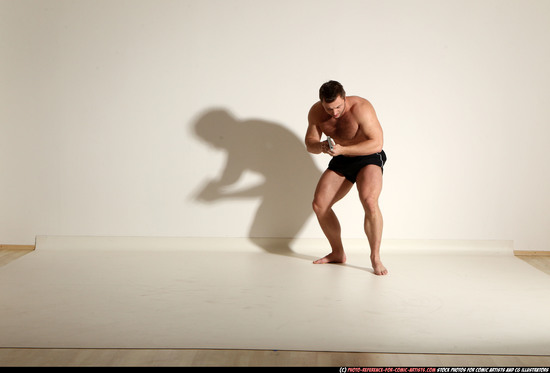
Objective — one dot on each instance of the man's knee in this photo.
(316, 206)
(319, 207)
(370, 204)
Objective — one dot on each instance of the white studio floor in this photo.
(466, 298)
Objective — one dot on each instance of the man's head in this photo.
(330, 91)
(333, 98)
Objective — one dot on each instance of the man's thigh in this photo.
(332, 187)
(369, 181)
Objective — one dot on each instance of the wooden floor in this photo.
(243, 358)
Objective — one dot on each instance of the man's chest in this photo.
(343, 129)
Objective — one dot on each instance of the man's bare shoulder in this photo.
(316, 111)
(359, 104)
(365, 115)
(316, 107)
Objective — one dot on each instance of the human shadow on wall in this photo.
(289, 172)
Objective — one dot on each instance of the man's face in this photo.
(336, 108)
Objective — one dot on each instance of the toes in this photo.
(321, 261)
(330, 259)
(380, 271)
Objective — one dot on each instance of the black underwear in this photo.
(349, 167)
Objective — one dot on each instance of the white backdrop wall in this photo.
(186, 118)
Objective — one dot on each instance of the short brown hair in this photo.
(330, 91)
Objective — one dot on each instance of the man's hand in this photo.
(336, 149)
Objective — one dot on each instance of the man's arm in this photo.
(313, 134)
(370, 126)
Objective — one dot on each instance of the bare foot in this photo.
(332, 258)
(378, 267)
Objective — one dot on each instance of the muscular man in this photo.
(358, 158)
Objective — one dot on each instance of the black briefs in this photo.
(349, 167)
